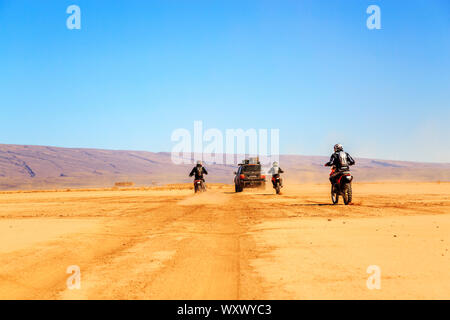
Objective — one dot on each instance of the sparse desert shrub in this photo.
(124, 184)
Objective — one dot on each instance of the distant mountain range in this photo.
(40, 167)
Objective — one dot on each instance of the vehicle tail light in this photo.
(242, 176)
(263, 176)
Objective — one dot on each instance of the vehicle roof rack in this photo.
(253, 161)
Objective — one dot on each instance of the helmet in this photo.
(199, 163)
(275, 164)
(338, 147)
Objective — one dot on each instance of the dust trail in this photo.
(208, 197)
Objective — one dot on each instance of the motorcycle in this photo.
(276, 181)
(342, 187)
(199, 186)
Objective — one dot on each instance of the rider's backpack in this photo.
(343, 159)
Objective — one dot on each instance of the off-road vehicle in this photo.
(249, 175)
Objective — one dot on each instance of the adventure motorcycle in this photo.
(276, 181)
(342, 187)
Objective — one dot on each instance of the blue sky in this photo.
(138, 70)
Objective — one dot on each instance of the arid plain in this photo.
(167, 243)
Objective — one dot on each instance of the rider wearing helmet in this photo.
(198, 171)
(275, 172)
(341, 161)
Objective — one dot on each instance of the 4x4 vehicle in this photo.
(249, 175)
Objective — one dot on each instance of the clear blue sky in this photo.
(137, 70)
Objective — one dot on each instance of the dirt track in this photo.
(170, 244)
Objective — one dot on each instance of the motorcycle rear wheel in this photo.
(334, 196)
(347, 194)
(278, 189)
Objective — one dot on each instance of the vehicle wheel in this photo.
(195, 188)
(238, 188)
(334, 196)
(278, 189)
(347, 193)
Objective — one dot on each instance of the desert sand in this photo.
(167, 243)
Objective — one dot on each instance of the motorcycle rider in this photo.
(199, 170)
(341, 161)
(275, 172)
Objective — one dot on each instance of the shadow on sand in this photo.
(294, 205)
(313, 204)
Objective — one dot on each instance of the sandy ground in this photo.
(171, 244)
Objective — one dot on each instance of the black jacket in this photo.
(335, 161)
(198, 172)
